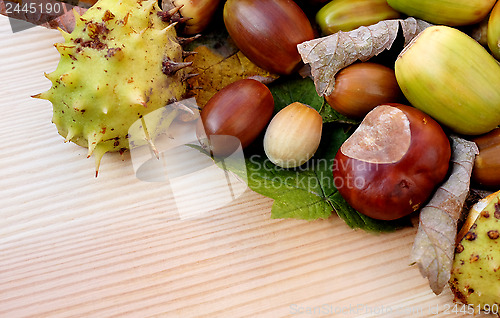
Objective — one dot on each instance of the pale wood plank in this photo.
(72, 245)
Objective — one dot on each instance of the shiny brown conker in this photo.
(238, 112)
(390, 166)
(268, 31)
(360, 87)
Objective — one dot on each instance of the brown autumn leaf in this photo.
(434, 245)
(217, 70)
(328, 55)
(45, 13)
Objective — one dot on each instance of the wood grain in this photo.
(72, 245)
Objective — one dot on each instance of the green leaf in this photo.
(295, 89)
(287, 91)
(308, 192)
(330, 115)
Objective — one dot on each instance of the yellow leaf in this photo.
(216, 71)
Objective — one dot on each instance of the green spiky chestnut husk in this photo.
(122, 61)
(447, 12)
(451, 77)
(475, 276)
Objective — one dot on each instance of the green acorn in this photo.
(347, 15)
(451, 77)
(447, 12)
(493, 31)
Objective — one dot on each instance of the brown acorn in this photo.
(198, 14)
(360, 87)
(487, 164)
(268, 32)
(235, 115)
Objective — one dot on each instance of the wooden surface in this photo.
(72, 245)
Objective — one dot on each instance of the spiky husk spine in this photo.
(122, 61)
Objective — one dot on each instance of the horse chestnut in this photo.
(360, 87)
(392, 163)
(242, 109)
(268, 31)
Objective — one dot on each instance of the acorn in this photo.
(293, 136)
(347, 15)
(451, 77)
(486, 170)
(268, 31)
(234, 116)
(451, 13)
(360, 87)
(493, 31)
(479, 32)
(198, 14)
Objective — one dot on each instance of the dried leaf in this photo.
(328, 55)
(217, 71)
(434, 245)
(55, 16)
